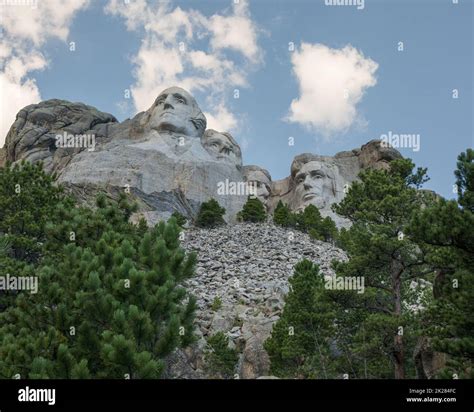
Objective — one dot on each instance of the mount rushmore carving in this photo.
(168, 161)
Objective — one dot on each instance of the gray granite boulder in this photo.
(53, 131)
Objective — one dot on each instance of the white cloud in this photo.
(25, 29)
(236, 32)
(221, 119)
(331, 84)
(187, 49)
(158, 64)
(50, 18)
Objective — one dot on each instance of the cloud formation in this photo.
(25, 28)
(220, 118)
(331, 84)
(188, 49)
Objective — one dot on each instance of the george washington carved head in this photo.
(176, 111)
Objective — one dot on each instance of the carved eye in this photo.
(317, 175)
(180, 99)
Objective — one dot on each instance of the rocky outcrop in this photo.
(48, 132)
(167, 160)
(377, 155)
(249, 274)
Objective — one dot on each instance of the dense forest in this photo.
(110, 302)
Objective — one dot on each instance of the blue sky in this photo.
(408, 92)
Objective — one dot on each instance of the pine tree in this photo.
(446, 230)
(180, 219)
(327, 230)
(210, 214)
(282, 215)
(465, 180)
(220, 359)
(309, 219)
(109, 303)
(28, 199)
(380, 207)
(300, 344)
(253, 211)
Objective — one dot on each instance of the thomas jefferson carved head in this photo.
(175, 111)
(313, 182)
(222, 145)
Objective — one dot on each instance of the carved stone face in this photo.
(222, 146)
(175, 111)
(313, 185)
(262, 183)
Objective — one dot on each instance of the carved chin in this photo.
(319, 202)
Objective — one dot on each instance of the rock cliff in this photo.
(168, 161)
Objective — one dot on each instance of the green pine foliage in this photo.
(465, 180)
(28, 200)
(180, 219)
(109, 304)
(380, 207)
(5, 246)
(399, 237)
(210, 214)
(327, 230)
(221, 360)
(308, 221)
(300, 344)
(282, 215)
(445, 230)
(253, 211)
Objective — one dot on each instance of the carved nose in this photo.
(306, 184)
(167, 104)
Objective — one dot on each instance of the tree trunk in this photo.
(399, 355)
(399, 358)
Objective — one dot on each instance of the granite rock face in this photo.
(249, 272)
(168, 161)
(377, 155)
(222, 146)
(261, 181)
(49, 131)
(164, 158)
(324, 180)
